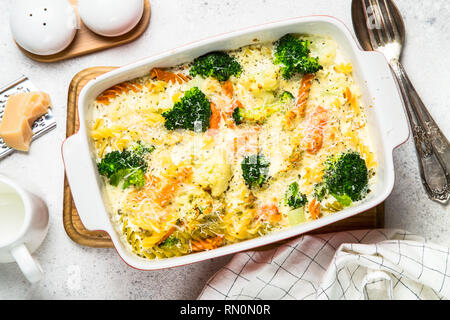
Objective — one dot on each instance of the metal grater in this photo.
(41, 126)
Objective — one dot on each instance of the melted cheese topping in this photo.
(211, 205)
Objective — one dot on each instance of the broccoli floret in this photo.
(192, 112)
(346, 177)
(169, 242)
(286, 97)
(130, 176)
(111, 163)
(135, 177)
(293, 197)
(237, 115)
(115, 161)
(139, 149)
(218, 65)
(255, 169)
(320, 191)
(126, 166)
(118, 176)
(133, 160)
(293, 55)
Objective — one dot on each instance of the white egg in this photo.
(43, 27)
(110, 17)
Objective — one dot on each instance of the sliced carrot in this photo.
(314, 209)
(168, 76)
(161, 194)
(166, 193)
(215, 117)
(319, 117)
(237, 104)
(300, 106)
(314, 139)
(303, 93)
(270, 212)
(246, 141)
(227, 110)
(227, 87)
(206, 244)
(117, 90)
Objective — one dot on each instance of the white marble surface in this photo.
(76, 272)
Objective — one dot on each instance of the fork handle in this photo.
(433, 148)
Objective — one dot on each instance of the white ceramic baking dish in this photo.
(386, 119)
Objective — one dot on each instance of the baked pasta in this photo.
(232, 146)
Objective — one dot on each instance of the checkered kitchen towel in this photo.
(364, 264)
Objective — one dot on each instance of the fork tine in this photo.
(373, 39)
(386, 23)
(392, 26)
(384, 37)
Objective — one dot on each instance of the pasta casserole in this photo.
(232, 146)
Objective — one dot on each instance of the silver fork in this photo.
(433, 148)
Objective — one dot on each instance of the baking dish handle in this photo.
(83, 185)
(392, 121)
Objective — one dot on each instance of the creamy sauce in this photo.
(12, 214)
(214, 202)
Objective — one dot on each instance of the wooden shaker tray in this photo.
(373, 218)
(86, 41)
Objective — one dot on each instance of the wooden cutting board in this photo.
(86, 41)
(373, 218)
